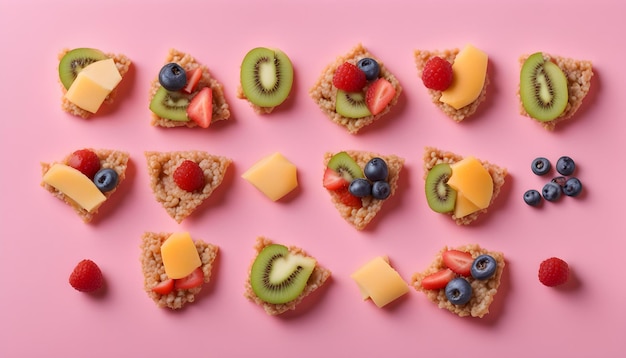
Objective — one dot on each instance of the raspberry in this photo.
(86, 276)
(349, 77)
(437, 74)
(553, 272)
(86, 161)
(189, 176)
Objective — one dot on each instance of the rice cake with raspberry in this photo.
(421, 57)
(317, 279)
(221, 109)
(154, 270)
(483, 291)
(178, 202)
(114, 159)
(361, 217)
(122, 63)
(578, 74)
(324, 93)
(434, 156)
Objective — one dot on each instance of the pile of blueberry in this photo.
(375, 182)
(552, 190)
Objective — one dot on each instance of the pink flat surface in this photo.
(42, 316)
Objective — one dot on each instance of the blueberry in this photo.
(458, 291)
(541, 166)
(376, 169)
(551, 191)
(532, 197)
(381, 190)
(572, 187)
(483, 267)
(370, 67)
(106, 179)
(565, 165)
(360, 187)
(172, 77)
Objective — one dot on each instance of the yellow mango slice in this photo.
(471, 180)
(180, 256)
(469, 71)
(378, 281)
(463, 207)
(274, 176)
(93, 84)
(75, 185)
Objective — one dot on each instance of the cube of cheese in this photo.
(274, 176)
(380, 282)
(180, 256)
(93, 84)
(75, 185)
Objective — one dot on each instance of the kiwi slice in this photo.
(74, 61)
(351, 104)
(543, 88)
(343, 164)
(170, 105)
(278, 276)
(439, 195)
(266, 76)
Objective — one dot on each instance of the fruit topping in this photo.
(543, 88)
(170, 105)
(164, 287)
(189, 176)
(343, 164)
(333, 180)
(370, 67)
(349, 78)
(376, 169)
(565, 165)
(379, 95)
(275, 176)
(572, 187)
(553, 272)
(437, 74)
(381, 190)
(438, 279)
(551, 191)
(193, 78)
(459, 262)
(193, 280)
(541, 166)
(86, 161)
(75, 61)
(469, 72)
(106, 179)
(346, 198)
(470, 179)
(180, 256)
(483, 267)
(351, 104)
(200, 109)
(458, 291)
(440, 196)
(278, 276)
(532, 197)
(172, 77)
(360, 187)
(266, 76)
(86, 277)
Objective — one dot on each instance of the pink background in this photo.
(42, 316)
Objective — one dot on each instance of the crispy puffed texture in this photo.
(178, 202)
(318, 277)
(578, 74)
(421, 57)
(221, 109)
(154, 271)
(483, 292)
(434, 156)
(325, 94)
(361, 217)
(109, 158)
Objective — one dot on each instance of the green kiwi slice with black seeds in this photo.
(170, 105)
(543, 88)
(74, 61)
(440, 196)
(345, 165)
(266, 76)
(351, 104)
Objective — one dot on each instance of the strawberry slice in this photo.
(378, 95)
(200, 109)
(334, 180)
(194, 279)
(458, 261)
(347, 198)
(438, 280)
(164, 287)
(193, 77)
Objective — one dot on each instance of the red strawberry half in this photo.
(347, 198)
(164, 287)
(438, 279)
(200, 109)
(379, 95)
(193, 77)
(334, 180)
(458, 261)
(194, 279)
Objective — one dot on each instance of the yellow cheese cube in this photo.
(180, 256)
(93, 84)
(463, 207)
(471, 180)
(274, 176)
(75, 185)
(380, 282)
(469, 71)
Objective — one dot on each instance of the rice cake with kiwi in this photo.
(178, 202)
(154, 270)
(434, 156)
(122, 63)
(221, 109)
(458, 115)
(318, 277)
(324, 93)
(578, 74)
(370, 207)
(483, 291)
